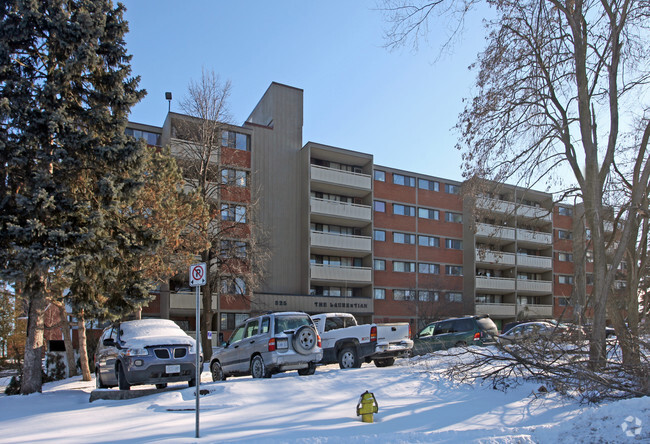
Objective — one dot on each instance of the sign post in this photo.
(198, 274)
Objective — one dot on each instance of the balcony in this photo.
(339, 181)
(331, 211)
(495, 284)
(495, 232)
(534, 237)
(531, 287)
(496, 310)
(344, 275)
(331, 243)
(537, 263)
(498, 258)
(506, 207)
(535, 311)
(186, 300)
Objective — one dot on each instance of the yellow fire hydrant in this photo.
(367, 406)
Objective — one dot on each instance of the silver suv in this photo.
(268, 344)
(146, 351)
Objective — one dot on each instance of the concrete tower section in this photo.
(281, 191)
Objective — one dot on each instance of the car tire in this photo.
(217, 372)
(191, 382)
(122, 383)
(98, 380)
(348, 358)
(385, 362)
(460, 344)
(161, 386)
(305, 340)
(258, 369)
(308, 371)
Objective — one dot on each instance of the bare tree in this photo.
(235, 255)
(555, 85)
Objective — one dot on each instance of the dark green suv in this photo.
(456, 332)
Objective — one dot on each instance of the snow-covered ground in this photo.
(417, 403)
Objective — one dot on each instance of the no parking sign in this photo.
(197, 275)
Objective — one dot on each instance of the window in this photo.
(562, 302)
(234, 177)
(430, 185)
(404, 267)
(429, 241)
(453, 270)
(403, 210)
(454, 244)
(233, 286)
(488, 299)
(428, 296)
(403, 238)
(589, 255)
(238, 141)
(565, 211)
(562, 279)
(589, 278)
(380, 206)
(380, 293)
(403, 295)
(380, 176)
(231, 212)
(380, 235)
(231, 248)
(380, 264)
(408, 181)
(454, 297)
(428, 268)
(565, 257)
(335, 229)
(454, 217)
(426, 213)
(150, 138)
(564, 234)
(452, 189)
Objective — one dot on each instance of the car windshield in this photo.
(284, 323)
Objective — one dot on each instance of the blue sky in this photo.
(399, 106)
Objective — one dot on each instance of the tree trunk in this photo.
(67, 340)
(32, 378)
(83, 351)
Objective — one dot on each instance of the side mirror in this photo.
(109, 342)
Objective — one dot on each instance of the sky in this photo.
(401, 105)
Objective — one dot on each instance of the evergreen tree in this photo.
(66, 166)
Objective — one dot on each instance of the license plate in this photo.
(172, 369)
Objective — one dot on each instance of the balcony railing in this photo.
(535, 311)
(187, 300)
(343, 274)
(343, 210)
(341, 178)
(506, 207)
(534, 287)
(495, 257)
(333, 241)
(496, 310)
(535, 262)
(495, 232)
(536, 237)
(495, 284)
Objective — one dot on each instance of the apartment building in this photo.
(385, 244)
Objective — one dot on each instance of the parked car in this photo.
(146, 351)
(456, 332)
(269, 344)
(349, 344)
(529, 331)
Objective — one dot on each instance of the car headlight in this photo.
(136, 352)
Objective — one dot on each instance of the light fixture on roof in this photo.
(168, 97)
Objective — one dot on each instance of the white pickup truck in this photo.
(350, 344)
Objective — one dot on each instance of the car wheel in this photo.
(460, 344)
(191, 382)
(161, 386)
(304, 340)
(258, 369)
(98, 380)
(217, 372)
(122, 383)
(308, 371)
(348, 358)
(386, 362)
